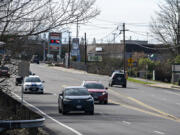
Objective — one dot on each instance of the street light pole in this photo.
(69, 50)
(124, 43)
(85, 49)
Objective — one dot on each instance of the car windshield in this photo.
(32, 79)
(4, 68)
(94, 86)
(118, 75)
(76, 92)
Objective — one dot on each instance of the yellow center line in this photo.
(145, 105)
(143, 111)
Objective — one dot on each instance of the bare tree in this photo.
(166, 25)
(32, 17)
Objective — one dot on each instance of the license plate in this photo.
(119, 78)
(78, 106)
(33, 88)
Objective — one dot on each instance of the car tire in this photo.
(59, 110)
(63, 112)
(110, 84)
(91, 112)
(124, 86)
(106, 102)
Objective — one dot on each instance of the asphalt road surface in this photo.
(135, 110)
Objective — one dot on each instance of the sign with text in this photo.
(75, 51)
(54, 41)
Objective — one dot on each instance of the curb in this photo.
(172, 87)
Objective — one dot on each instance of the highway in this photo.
(135, 110)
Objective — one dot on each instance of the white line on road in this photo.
(172, 93)
(127, 123)
(54, 94)
(177, 103)
(158, 132)
(43, 113)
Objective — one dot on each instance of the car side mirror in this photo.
(43, 81)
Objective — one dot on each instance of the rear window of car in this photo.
(76, 92)
(4, 68)
(94, 86)
(32, 79)
(118, 75)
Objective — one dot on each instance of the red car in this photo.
(4, 71)
(97, 91)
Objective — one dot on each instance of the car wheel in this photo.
(59, 110)
(91, 112)
(63, 112)
(106, 102)
(124, 86)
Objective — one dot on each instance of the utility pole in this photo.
(114, 37)
(178, 27)
(69, 50)
(85, 49)
(124, 43)
(44, 48)
(77, 28)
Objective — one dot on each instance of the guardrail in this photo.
(16, 124)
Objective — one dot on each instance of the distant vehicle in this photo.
(4, 71)
(7, 58)
(75, 98)
(32, 84)
(19, 79)
(97, 90)
(118, 78)
(35, 59)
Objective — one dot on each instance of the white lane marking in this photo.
(172, 93)
(177, 103)
(127, 123)
(43, 113)
(158, 132)
(54, 94)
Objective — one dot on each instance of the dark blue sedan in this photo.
(75, 99)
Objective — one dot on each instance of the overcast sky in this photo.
(136, 13)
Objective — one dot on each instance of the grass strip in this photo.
(138, 81)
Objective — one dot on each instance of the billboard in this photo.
(54, 41)
(75, 51)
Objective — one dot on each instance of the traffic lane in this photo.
(162, 99)
(108, 119)
(136, 91)
(77, 79)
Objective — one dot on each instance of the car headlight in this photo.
(66, 100)
(90, 99)
(41, 86)
(104, 93)
(27, 86)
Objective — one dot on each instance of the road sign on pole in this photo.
(130, 62)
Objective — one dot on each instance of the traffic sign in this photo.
(130, 60)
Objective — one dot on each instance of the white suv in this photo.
(32, 84)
